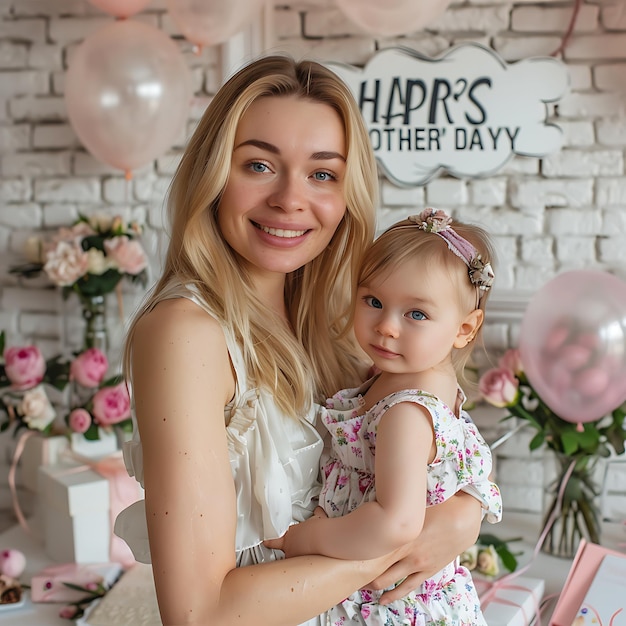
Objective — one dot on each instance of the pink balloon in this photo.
(573, 344)
(128, 93)
(121, 8)
(392, 17)
(210, 22)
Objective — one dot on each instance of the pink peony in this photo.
(66, 263)
(25, 367)
(89, 367)
(79, 420)
(12, 563)
(499, 387)
(111, 405)
(127, 254)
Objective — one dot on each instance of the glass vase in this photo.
(574, 497)
(94, 314)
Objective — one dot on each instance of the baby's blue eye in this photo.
(373, 302)
(417, 315)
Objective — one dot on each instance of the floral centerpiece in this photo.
(89, 259)
(576, 448)
(24, 375)
(24, 403)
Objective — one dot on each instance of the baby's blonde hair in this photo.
(318, 295)
(404, 240)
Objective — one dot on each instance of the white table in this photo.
(552, 569)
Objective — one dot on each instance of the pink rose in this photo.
(111, 405)
(499, 387)
(89, 367)
(25, 367)
(511, 361)
(127, 254)
(79, 420)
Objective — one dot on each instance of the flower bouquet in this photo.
(576, 448)
(89, 259)
(24, 375)
(98, 403)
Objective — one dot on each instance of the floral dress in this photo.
(462, 462)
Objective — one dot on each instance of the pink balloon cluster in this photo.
(391, 17)
(573, 344)
(128, 93)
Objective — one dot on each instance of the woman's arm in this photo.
(182, 379)
(404, 443)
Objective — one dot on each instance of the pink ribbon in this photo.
(504, 582)
(19, 449)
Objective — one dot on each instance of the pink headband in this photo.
(438, 222)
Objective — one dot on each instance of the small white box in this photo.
(75, 503)
(38, 451)
(515, 603)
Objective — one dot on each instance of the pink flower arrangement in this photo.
(89, 258)
(97, 403)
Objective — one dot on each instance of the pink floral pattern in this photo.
(463, 462)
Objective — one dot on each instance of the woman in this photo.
(246, 332)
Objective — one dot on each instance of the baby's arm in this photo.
(404, 444)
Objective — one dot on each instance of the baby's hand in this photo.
(298, 540)
(275, 544)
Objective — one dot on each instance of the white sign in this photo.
(466, 112)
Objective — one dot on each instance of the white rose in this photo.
(36, 409)
(100, 222)
(97, 263)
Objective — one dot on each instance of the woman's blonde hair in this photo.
(405, 240)
(318, 295)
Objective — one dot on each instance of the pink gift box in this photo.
(48, 584)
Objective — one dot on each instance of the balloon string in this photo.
(570, 29)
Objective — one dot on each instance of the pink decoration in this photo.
(121, 8)
(128, 91)
(573, 344)
(391, 17)
(111, 405)
(24, 366)
(12, 563)
(89, 367)
(79, 420)
(207, 23)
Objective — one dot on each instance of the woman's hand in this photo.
(449, 529)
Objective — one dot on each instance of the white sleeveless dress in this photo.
(274, 460)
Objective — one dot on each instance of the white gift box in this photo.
(514, 603)
(75, 505)
(40, 450)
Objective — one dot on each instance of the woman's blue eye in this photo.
(373, 302)
(258, 167)
(417, 315)
(324, 176)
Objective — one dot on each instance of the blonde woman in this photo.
(245, 333)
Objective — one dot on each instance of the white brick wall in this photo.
(567, 210)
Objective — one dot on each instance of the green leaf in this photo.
(92, 433)
(570, 442)
(537, 441)
(508, 560)
(2, 342)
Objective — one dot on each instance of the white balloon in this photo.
(128, 93)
